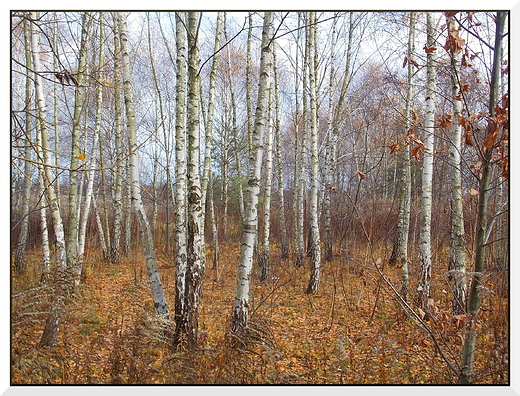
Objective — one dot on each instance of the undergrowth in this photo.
(351, 332)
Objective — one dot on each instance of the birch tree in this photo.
(427, 169)
(52, 324)
(284, 246)
(400, 248)
(77, 156)
(19, 257)
(118, 141)
(300, 162)
(457, 257)
(180, 173)
(195, 214)
(250, 223)
(314, 280)
(92, 157)
(159, 299)
(329, 152)
(263, 257)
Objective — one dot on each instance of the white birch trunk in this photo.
(329, 154)
(250, 223)
(300, 203)
(52, 325)
(400, 250)
(427, 170)
(284, 248)
(115, 246)
(209, 119)
(180, 173)
(158, 296)
(195, 213)
(92, 156)
(314, 280)
(263, 258)
(73, 262)
(457, 257)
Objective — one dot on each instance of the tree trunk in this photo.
(400, 249)
(161, 307)
(73, 261)
(263, 258)
(250, 223)
(427, 171)
(314, 280)
(115, 247)
(92, 156)
(300, 200)
(21, 247)
(329, 154)
(284, 245)
(195, 212)
(475, 292)
(52, 325)
(457, 257)
(180, 174)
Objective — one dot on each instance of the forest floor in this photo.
(352, 332)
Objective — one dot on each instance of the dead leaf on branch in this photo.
(445, 120)
(454, 42)
(394, 148)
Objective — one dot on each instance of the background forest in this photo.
(259, 197)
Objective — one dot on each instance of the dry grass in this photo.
(352, 332)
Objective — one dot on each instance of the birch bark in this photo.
(52, 324)
(427, 170)
(180, 173)
(314, 280)
(457, 257)
(263, 258)
(400, 249)
(120, 165)
(159, 299)
(284, 246)
(250, 223)
(195, 214)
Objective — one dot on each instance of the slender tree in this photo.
(19, 256)
(494, 124)
(159, 299)
(314, 280)
(77, 156)
(457, 257)
(427, 169)
(180, 173)
(301, 162)
(329, 153)
(284, 244)
(263, 257)
(92, 157)
(120, 162)
(195, 214)
(52, 325)
(400, 249)
(250, 223)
